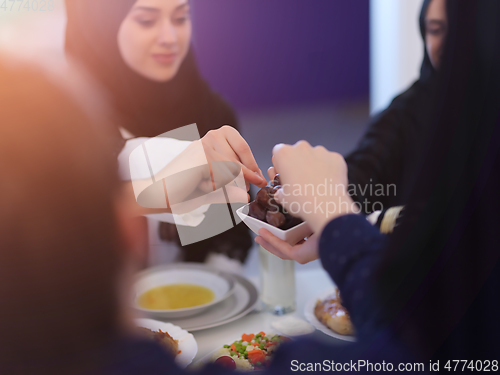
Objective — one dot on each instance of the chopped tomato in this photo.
(247, 338)
(226, 362)
(233, 348)
(256, 355)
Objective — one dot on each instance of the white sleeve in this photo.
(161, 151)
(164, 151)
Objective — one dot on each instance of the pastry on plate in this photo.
(164, 339)
(332, 314)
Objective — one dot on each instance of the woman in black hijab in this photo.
(140, 53)
(395, 137)
(151, 104)
(430, 289)
(379, 170)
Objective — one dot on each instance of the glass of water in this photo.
(277, 280)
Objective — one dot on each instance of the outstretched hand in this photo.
(189, 182)
(227, 145)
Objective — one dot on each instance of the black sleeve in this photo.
(376, 168)
(350, 250)
(376, 165)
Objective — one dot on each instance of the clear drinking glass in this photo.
(277, 280)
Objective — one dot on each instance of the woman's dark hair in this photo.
(426, 69)
(59, 253)
(395, 140)
(440, 276)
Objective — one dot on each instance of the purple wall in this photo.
(265, 53)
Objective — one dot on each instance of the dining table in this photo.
(310, 280)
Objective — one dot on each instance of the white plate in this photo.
(221, 285)
(186, 341)
(311, 318)
(242, 301)
(292, 235)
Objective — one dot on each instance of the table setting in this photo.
(238, 320)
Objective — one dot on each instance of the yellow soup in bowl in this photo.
(175, 296)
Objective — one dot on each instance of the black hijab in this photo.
(148, 108)
(393, 141)
(441, 274)
(427, 71)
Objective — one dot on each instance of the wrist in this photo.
(321, 217)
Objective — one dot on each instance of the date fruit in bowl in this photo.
(266, 208)
(266, 213)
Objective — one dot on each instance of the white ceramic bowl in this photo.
(292, 235)
(222, 286)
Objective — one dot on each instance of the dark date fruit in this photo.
(257, 211)
(276, 219)
(277, 180)
(265, 207)
(275, 189)
(273, 206)
(264, 195)
(290, 222)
